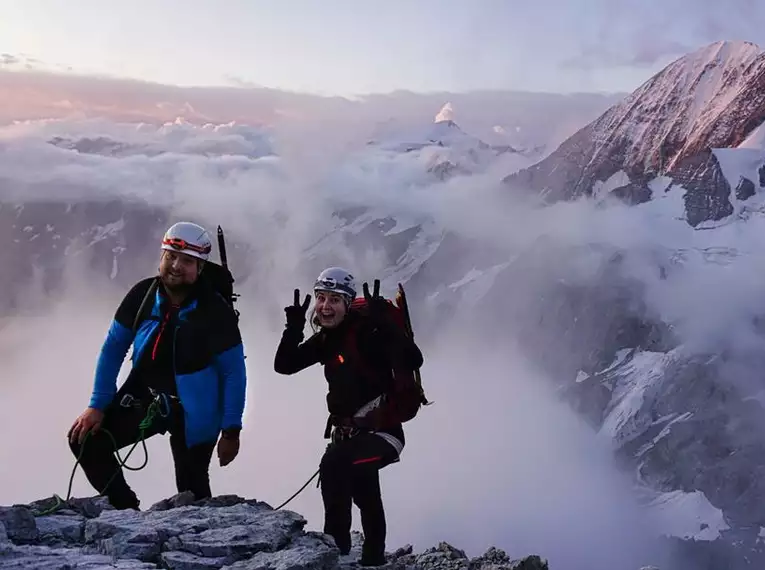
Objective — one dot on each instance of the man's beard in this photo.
(177, 288)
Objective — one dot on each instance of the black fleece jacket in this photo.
(381, 346)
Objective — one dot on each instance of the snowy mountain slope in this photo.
(42, 239)
(691, 439)
(709, 99)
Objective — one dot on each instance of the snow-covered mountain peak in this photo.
(442, 133)
(689, 107)
(445, 150)
(448, 132)
(671, 128)
(726, 53)
(445, 114)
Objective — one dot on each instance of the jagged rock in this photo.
(745, 189)
(309, 552)
(176, 560)
(19, 523)
(224, 501)
(88, 507)
(447, 557)
(43, 558)
(60, 529)
(231, 533)
(180, 500)
(227, 532)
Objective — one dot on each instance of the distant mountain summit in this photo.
(445, 147)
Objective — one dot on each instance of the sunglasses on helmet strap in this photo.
(181, 244)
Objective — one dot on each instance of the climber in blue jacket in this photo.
(188, 359)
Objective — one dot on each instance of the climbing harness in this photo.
(154, 408)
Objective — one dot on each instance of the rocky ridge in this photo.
(227, 532)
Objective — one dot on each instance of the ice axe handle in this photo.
(222, 247)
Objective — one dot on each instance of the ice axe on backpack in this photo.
(402, 304)
(229, 289)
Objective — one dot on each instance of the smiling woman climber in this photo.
(360, 345)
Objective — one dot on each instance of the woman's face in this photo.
(330, 309)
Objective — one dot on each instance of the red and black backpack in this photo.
(406, 396)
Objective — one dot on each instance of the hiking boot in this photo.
(124, 501)
(343, 543)
(372, 554)
(372, 560)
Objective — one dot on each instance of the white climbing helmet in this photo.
(336, 280)
(188, 238)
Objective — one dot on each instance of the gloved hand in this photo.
(296, 312)
(377, 305)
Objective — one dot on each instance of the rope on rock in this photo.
(146, 423)
(298, 491)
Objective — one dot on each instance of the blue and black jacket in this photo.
(207, 358)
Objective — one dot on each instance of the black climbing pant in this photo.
(99, 462)
(349, 473)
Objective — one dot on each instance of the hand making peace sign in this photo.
(376, 304)
(296, 312)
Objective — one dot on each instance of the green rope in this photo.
(145, 424)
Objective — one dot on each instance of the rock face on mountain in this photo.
(179, 533)
(664, 137)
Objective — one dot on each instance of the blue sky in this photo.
(360, 46)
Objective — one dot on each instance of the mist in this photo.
(496, 460)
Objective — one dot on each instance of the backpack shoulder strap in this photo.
(141, 314)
